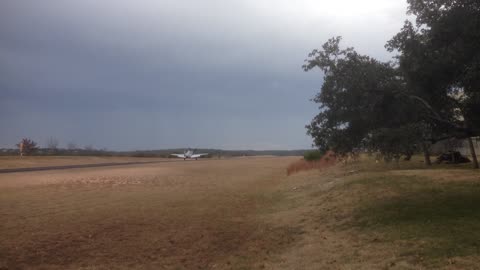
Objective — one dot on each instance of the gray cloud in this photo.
(151, 74)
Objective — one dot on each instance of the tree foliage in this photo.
(359, 98)
(440, 60)
(431, 92)
(27, 146)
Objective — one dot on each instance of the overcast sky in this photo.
(150, 74)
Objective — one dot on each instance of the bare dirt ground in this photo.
(241, 213)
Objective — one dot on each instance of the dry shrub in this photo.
(327, 160)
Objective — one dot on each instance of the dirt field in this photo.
(241, 213)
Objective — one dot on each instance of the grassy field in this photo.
(397, 216)
(242, 214)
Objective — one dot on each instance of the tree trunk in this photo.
(426, 154)
(472, 151)
(408, 156)
(397, 160)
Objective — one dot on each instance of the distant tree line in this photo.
(429, 93)
(29, 147)
(52, 148)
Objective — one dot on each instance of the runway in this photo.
(81, 166)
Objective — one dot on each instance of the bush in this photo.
(325, 161)
(313, 155)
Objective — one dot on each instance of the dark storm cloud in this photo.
(143, 74)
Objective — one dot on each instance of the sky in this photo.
(153, 74)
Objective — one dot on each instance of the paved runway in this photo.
(80, 166)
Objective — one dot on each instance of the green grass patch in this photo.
(440, 219)
(368, 164)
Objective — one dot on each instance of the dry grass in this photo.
(329, 159)
(242, 214)
(182, 215)
(385, 216)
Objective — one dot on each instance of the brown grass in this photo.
(242, 213)
(329, 159)
(180, 215)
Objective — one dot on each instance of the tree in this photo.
(360, 105)
(434, 86)
(440, 61)
(339, 126)
(27, 146)
(52, 144)
(395, 142)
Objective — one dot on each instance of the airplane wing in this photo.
(178, 155)
(199, 155)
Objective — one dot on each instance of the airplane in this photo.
(190, 154)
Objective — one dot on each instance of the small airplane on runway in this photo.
(189, 154)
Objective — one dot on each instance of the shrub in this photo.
(313, 155)
(325, 161)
